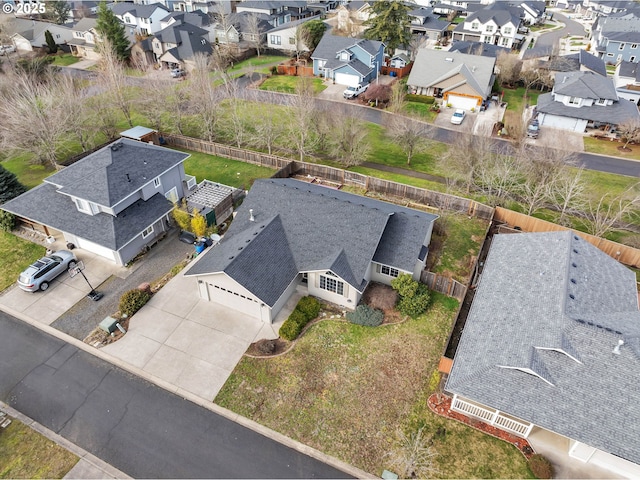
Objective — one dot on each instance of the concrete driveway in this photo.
(443, 119)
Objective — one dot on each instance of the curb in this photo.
(209, 405)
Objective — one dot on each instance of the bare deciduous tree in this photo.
(568, 193)
(302, 110)
(205, 97)
(255, 36)
(80, 119)
(410, 134)
(154, 107)
(509, 66)
(413, 457)
(397, 101)
(629, 131)
(112, 76)
(348, 142)
(225, 20)
(467, 158)
(269, 129)
(609, 211)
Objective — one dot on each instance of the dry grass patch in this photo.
(346, 390)
(24, 453)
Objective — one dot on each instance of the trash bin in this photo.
(200, 246)
(392, 73)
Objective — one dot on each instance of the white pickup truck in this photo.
(353, 92)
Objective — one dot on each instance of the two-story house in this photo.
(268, 252)
(278, 15)
(489, 25)
(114, 202)
(616, 37)
(591, 9)
(583, 99)
(85, 38)
(140, 19)
(175, 45)
(348, 61)
(446, 7)
(287, 37)
(627, 81)
(29, 34)
(424, 21)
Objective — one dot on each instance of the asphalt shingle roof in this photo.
(301, 227)
(108, 176)
(629, 70)
(556, 306)
(613, 114)
(138, 11)
(330, 45)
(478, 48)
(584, 85)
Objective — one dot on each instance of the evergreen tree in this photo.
(51, 44)
(110, 28)
(389, 22)
(10, 187)
(60, 10)
(312, 32)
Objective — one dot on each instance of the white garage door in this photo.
(464, 103)
(234, 300)
(565, 123)
(95, 248)
(347, 79)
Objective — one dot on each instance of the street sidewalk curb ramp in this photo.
(234, 417)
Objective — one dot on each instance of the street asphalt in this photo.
(137, 427)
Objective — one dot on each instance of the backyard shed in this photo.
(213, 200)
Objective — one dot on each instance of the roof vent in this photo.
(128, 179)
(575, 251)
(251, 218)
(231, 257)
(574, 265)
(448, 59)
(576, 237)
(573, 280)
(616, 349)
(116, 146)
(473, 69)
(572, 296)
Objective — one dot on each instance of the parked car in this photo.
(40, 273)
(458, 116)
(8, 49)
(353, 92)
(178, 72)
(533, 129)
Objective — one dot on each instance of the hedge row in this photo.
(306, 310)
(419, 98)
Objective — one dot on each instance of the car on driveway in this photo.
(457, 117)
(353, 92)
(42, 272)
(177, 73)
(533, 129)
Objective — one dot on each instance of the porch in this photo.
(492, 417)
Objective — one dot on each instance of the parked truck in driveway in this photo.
(353, 92)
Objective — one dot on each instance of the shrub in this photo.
(366, 316)
(182, 218)
(309, 306)
(198, 224)
(540, 466)
(419, 98)
(405, 285)
(132, 301)
(7, 221)
(416, 304)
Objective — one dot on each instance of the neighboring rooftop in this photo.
(613, 114)
(584, 85)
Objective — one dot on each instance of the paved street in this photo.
(139, 428)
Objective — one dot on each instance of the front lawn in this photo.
(28, 173)
(287, 84)
(24, 453)
(17, 254)
(223, 170)
(348, 390)
(258, 62)
(607, 147)
(515, 98)
(65, 60)
(421, 110)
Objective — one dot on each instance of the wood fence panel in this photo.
(623, 253)
(444, 284)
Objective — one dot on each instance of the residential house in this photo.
(140, 19)
(30, 34)
(253, 27)
(204, 6)
(582, 61)
(478, 48)
(424, 21)
(278, 15)
(551, 346)
(447, 7)
(114, 202)
(287, 37)
(176, 45)
(352, 15)
(348, 61)
(490, 25)
(627, 81)
(590, 9)
(583, 99)
(84, 41)
(290, 235)
(461, 80)
(616, 38)
(196, 18)
(83, 8)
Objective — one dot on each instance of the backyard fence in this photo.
(444, 284)
(295, 70)
(624, 254)
(399, 72)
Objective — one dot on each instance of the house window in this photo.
(83, 205)
(489, 28)
(292, 41)
(634, 46)
(621, 46)
(632, 59)
(344, 56)
(156, 182)
(172, 195)
(602, 101)
(507, 30)
(504, 42)
(609, 54)
(331, 285)
(574, 101)
(148, 231)
(475, 26)
(390, 271)
(275, 40)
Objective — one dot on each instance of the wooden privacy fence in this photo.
(287, 167)
(444, 284)
(624, 254)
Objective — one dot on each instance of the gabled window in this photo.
(507, 30)
(345, 55)
(574, 101)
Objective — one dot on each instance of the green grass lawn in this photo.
(24, 453)
(347, 390)
(287, 84)
(394, 177)
(29, 174)
(515, 98)
(65, 60)
(17, 254)
(537, 28)
(421, 110)
(607, 147)
(258, 61)
(223, 170)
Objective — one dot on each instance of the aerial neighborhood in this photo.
(320, 238)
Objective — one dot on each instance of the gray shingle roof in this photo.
(584, 85)
(139, 11)
(501, 15)
(613, 114)
(101, 177)
(43, 204)
(478, 48)
(330, 45)
(592, 62)
(625, 37)
(173, 33)
(433, 66)
(528, 314)
(629, 70)
(197, 18)
(623, 22)
(301, 227)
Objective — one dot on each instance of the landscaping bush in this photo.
(7, 221)
(540, 466)
(310, 307)
(132, 301)
(182, 217)
(416, 304)
(366, 316)
(198, 224)
(419, 98)
(405, 285)
(290, 329)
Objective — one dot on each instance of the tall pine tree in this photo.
(390, 23)
(10, 187)
(51, 44)
(110, 28)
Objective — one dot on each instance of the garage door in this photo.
(234, 300)
(464, 103)
(555, 121)
(347, 79)
(95, 248)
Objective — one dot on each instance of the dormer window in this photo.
(345, 56)
(574, 101)
(86, 207)
(602, 101)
